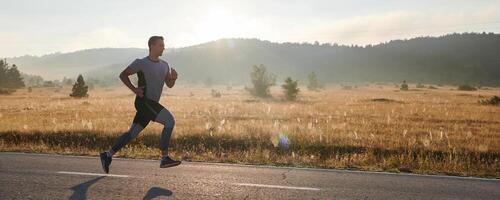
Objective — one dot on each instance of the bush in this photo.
(346, 87)
(261, 81)
(49, 84)
(290, 89)
(313, 83)
(404, 86)
(6, 91)
(216, 93)
(79, 88)
(208, 82)
(466, 87)
(495, 100)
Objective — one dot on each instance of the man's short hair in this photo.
(152, 40)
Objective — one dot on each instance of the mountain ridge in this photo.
(451, 58)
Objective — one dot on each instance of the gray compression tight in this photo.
(164, 117)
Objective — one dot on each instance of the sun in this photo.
(216, 24)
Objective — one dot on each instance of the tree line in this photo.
(12, 79)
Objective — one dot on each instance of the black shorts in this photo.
(147, 110)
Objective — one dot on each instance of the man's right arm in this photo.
(124, 77)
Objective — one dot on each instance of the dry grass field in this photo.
(377, 128)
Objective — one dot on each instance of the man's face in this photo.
(158, 47)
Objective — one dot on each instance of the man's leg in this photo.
(132, 133)
(140, 122)
(167, 119)
(106, 157)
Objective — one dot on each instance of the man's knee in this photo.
(166, 118)
(134, 130)
(171, 122)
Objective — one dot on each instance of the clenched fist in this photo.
(172, 75)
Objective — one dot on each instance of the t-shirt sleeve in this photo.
(135, 66)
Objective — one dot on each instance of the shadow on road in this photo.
(156, 192)
(80, 190)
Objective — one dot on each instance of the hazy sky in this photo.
(37, 27)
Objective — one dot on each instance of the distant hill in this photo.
(454, 58)
(57, 65)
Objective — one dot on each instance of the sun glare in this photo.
(216, 24)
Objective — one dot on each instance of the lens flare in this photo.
(283, 140)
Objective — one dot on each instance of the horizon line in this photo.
(260, 39)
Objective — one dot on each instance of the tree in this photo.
(208, 82)
(3, 72)
(290, 89)
(10, 77)
(404, 86)
(79, 88)
(14, 79)
(313, 83)
(261, 81)
(49, 84)
(32, 80)
(67, 81)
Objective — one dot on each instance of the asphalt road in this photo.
(42, 176)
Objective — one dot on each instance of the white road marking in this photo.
(93, 174)
(269, 167)
(277, 186)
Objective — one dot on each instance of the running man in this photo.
(152, 72)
